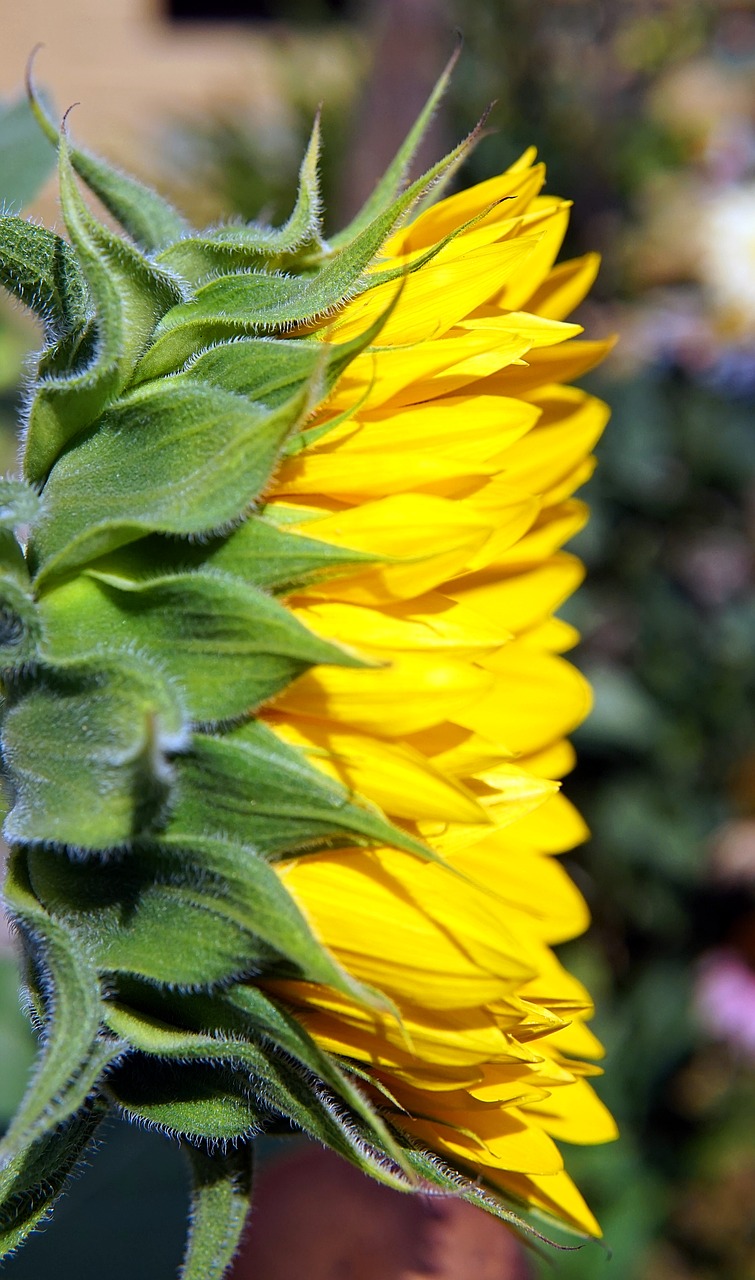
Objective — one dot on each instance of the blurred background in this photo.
(644, 111)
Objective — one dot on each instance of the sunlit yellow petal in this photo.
(565, 287)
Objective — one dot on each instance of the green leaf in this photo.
(32, 1182)
(73, 1055)
(130, 296)
(220, 1196)
(177, 457)
(253, 789)
(26, 159)
(233, 247)
(255, 302)
(42, 271)
(86, 752)
(391, 182)
(226, 646)
(146, 216)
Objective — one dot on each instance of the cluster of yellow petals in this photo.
(456, 468)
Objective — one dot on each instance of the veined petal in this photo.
(430, 623)
(417, 372)
(396, 777)
(400, 934)
(517, 186)
(428, 538)
(464, 283)
(500, 1141)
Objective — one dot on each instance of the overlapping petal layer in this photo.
(454, 460)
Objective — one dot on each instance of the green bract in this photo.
(140, 630)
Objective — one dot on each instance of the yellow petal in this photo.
(428, 624)
(554, 827)
(536, 699)
(520, 600)
(555, 1194)
(355, 475)
(431, 539)
(405, 934)
(516, 794)
(501, 1141)
(570, 425)
(423, 371)
(393, 776)
(539, 331)
(575, 1114)
(517, 186)
(565, 287)
(530, 883)
(410, 694)
(550, 364)
(462, 284)
(550, 219)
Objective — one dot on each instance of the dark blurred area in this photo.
(644, 112)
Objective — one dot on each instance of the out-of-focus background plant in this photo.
(645, 114)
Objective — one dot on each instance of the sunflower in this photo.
(456, 472)
(285, 706)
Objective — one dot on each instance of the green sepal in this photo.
(390, 183)
(73, 1054)
(256, 551)
(243, 1014)
(196, 258)
(254, 789)
(221, 1189)
(226, 646)
(20, 628)
(199, 1094)
(200, 1101)
(35, 1178)
(130, 295)
(271, 370)
(177, 457)
(254, 302)
(187, 918)
(145, 215)
(42, 271)
(276, 561)
(86, 752)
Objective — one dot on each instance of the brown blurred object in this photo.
(315, 1216)
(411, 40)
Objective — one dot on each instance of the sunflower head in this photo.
(283, 706)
